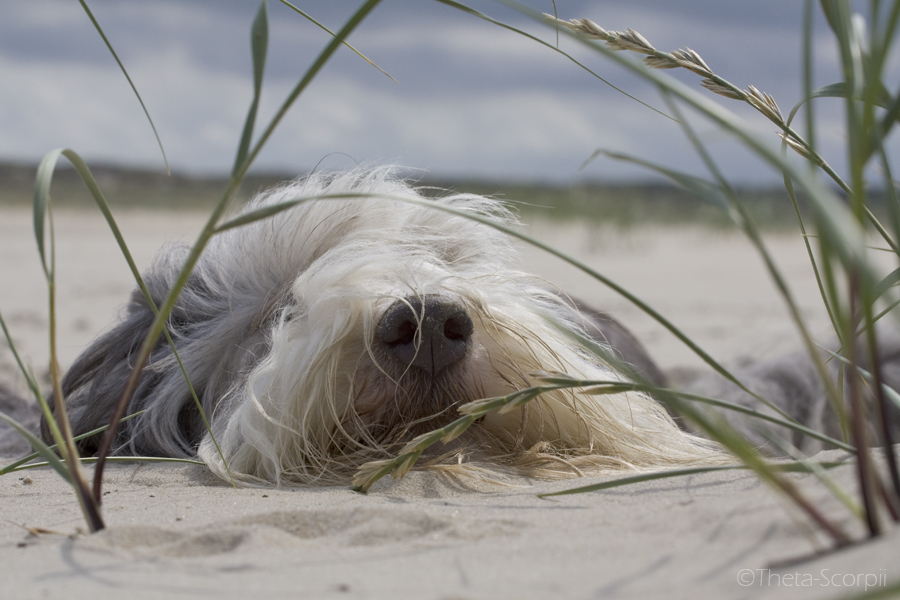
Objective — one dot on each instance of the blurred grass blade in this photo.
(15, 465)
(39, 204)
(475, 13)
(891, 116)
(889, 281)
(58, 419)
(41, 448)
(717, 429)
(705, 190)
(826, 301)
(329, 32)
(128, 77)
(889, 392)
(29, 377)
(837, 224)
(361, 13)
(94, 188)
(840, 90)
(718, 196)
(190, 261)
(87, 460)
(259, 43)
(795, 467)
(615, 387)
(836, 490)
(836, 14)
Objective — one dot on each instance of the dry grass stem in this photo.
(684, 59)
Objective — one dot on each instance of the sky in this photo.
(470, 99)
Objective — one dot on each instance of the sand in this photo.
(173, 531)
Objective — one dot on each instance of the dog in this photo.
(334, 332)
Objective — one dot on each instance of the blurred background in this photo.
(471, 101)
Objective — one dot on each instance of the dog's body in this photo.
(335, 331)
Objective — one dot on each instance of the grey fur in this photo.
(22, 411)
(792, 383)
(218, 340)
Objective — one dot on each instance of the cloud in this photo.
(473, 99)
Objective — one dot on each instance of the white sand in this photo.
(175, 532)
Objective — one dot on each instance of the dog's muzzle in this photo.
(429, 333)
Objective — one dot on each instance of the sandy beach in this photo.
(176, 532)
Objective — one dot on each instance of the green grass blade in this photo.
(480, 15)
(889, 392)
(14, 465)
(94, 188)
(826, 302)
(157, 327)
(836, 490)
(41, 201)
(329, 32)
(41, 448)
(615, 387)
(29, 377)
(721, 196)
(259, 43)
(890, 117)
(88, 460)
(744, 222)
(889, 281)
(840, 90)
(128, 77)
(717, 429)
(58, 419)
(795, 467)
(307, 78)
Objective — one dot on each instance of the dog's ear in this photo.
(94, 382)
(220, 330)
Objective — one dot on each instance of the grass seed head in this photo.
(631, 40)
(658, 62)
(407, 462)
(457, 428)
(585, 27)
(721, 90)
(690, 60)
(765, 104)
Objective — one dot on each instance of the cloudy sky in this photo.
(472, 99)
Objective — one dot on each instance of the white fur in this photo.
(278, 329)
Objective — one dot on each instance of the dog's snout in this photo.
(430, 333)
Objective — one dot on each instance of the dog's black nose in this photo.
(430, 333)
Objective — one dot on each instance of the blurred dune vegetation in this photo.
(620, 204)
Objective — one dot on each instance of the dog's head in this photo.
(335, 331)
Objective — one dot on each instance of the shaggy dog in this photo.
(336, 331)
